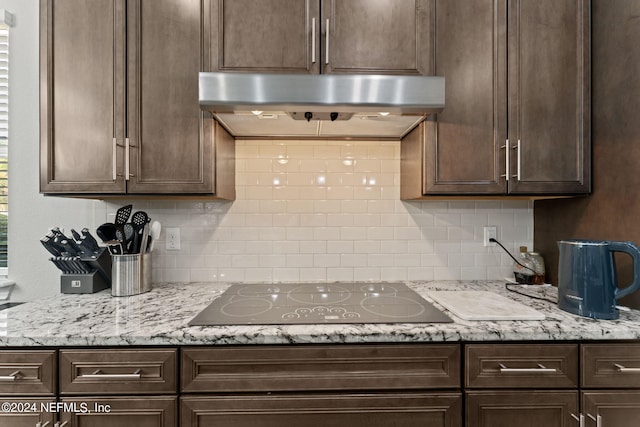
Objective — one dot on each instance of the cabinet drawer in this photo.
(610, 365)
(118, 371)
(21, 412)
(122, 411)
(521, 366)
(343, 367)
(543, 408)
(28, 373)
(319, 410)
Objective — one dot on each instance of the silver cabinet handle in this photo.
(506, 161)
(114, 163)
(11, 377)
(58, 424)
(621, 368)
(540, 368)
(597, 419)
(115, 158)
(98, 375)
(313, 40)
(126, 159)
(326, 59)
(519, 162)
(39, 424)
(580, 419)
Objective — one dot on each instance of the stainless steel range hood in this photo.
(326, 105)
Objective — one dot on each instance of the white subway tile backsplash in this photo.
(331, 211)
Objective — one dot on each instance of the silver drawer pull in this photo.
(621, 368)
(540, 368)
(11, 377)
(98, 375)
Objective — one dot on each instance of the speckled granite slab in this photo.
(161, 317)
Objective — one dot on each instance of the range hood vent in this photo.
(325, 105)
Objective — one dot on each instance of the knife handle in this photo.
(89, 239)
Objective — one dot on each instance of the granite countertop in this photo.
(161, 317)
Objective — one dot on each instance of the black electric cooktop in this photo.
(314, 303)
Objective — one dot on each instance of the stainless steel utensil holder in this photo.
(130, 274)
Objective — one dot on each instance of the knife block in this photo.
(97, 280)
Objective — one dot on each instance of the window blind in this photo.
(4, 143)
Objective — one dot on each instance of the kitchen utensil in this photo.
(76, 236)
(89, 240)
(49, 246)
(107, 232)
(587, 277)
(145, 239)
(122, 214)
(70, 247)
(154, 235)
(138, 220)
(85, 247)
(115, 247)
(58, 247)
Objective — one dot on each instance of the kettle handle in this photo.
(634, 252)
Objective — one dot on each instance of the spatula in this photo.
(122, 214)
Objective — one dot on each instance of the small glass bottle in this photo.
(523, 270)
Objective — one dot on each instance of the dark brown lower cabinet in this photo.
(138, 411)
(17, 412)
(611, 408)
(310, 410)
(526, 408)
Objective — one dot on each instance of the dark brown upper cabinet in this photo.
(322, 36)
(517, 114)
(119, 101)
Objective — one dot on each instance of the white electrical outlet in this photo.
(172, 236)
(490, 232)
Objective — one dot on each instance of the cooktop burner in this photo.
(313, 303)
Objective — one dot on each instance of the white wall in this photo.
(298, 228)
(31, 214)
(330, 210)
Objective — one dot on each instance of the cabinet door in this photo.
(147, 411)
(265, 36)
(82, 92)
(366, 410)
(381, 37)
(21, 412)
(521, 408)
(170, 141)
(549, 96)
(613, 408)
(464, 145)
